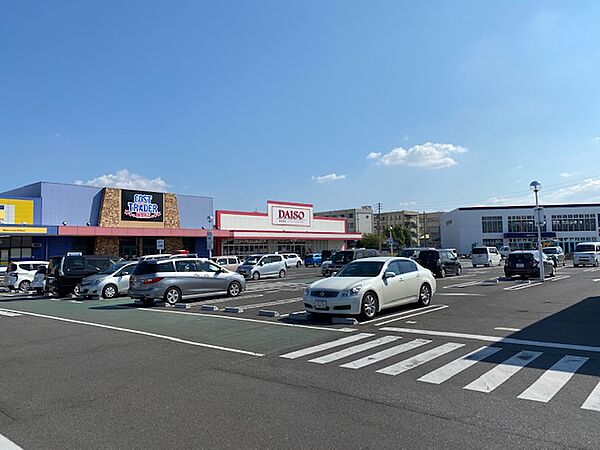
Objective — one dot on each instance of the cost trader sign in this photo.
(291, 216)
(141, 206)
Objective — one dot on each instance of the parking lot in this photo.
(505, 357)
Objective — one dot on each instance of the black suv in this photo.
(440, 262)
(527, 264)
(341, 258)
(66, 272)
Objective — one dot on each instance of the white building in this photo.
(360, 220)
(566, 225)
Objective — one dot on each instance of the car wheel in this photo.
(39, 291)
(442, 273)
(148, 302)
(369, 305)
(109, 291)
(553, 272)
(256, 276)
(234, 289)
(489, 264)
(77, 290)
(172, 296)
(425, 295)
(458, 271)
(282, 273)
(474, 265)
(24, 286)
(298, 264)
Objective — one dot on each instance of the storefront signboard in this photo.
(141, 206)
(287, 215)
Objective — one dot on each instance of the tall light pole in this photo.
(536, 187)
(391, 243)
(209, 236)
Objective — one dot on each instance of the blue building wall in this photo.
(193, 211)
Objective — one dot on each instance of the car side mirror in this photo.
(388, 275)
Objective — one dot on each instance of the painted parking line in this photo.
(283, 301)
(592, 403)
(463, 285)
(326, 346)
(142, 333)
(400, 314)
(436, 308)
(7, 444)
(523, 286)
(459, 365)
(8, 313)
(507, 329)
(459, 294)
(420, 359)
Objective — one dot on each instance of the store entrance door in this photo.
(128, 248)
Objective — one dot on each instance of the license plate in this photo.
(520, 266)
(320, 304)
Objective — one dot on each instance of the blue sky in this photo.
(418, 105)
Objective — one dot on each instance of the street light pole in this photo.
(391, 243)
(536, 187)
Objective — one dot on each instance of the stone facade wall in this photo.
(110, 211)
(173, 244)
(106, 245)
(171, 212)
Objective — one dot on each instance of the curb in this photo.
(299, 317)
(233, 309)
(268, 313)
(209, 308)
(181, 306)
(343, 321)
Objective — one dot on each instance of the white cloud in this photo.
(428, 155)
(329, 178)
(595, 139)
(127, 180)
(519, 167)
(567, 174)
(587, 190)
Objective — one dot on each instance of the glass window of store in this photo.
(574, 222)
(15, 248)
(498, 243)
(491, 224)
(523, 224)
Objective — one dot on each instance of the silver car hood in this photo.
(92, 278)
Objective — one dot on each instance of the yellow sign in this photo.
(13, 211)
(23, 230)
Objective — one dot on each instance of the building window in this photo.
(523, 224)
(493, 243)
(574, 222)
(492, 224)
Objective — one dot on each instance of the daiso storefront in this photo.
(285, 227)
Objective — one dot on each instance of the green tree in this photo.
(401, 235)
(369, 240)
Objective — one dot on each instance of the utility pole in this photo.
(379, 223)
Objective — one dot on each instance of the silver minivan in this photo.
(108, 283)
(261, 266)
(172, 280)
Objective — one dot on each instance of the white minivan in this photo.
(485, 256)
(19, 275)
(587, 254)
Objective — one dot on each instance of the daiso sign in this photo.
(290, 215)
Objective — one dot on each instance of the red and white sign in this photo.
(290, 215)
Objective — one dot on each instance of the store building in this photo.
(285, 227)
(360, 220)
(46, 219)
(564, 225)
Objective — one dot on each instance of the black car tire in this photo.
(369, 305)
(256, 276)
(24, 285)
(234, 289)
(442, 273)
(458, 271)
(298, 264)
(282, 273)
(425, 295)
(110, 291)
(172, 296)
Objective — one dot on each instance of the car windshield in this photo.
(251, 260)
(550, 251)
(361, 269)
(407, 253)
(585, 248)
(112, 269)
(342, 257)
(480, 251)
(428, 255)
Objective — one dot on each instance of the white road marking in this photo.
(8, 313)
(246, 319)
(273, 303)
(498, 339)
(593, 269)
(507, 329)
(524, 286)
(411, 322)
(593, 401)
(420, 359)
(437, 308)
(401, 313)
(460, 294)
(552, 381)
(142, 333)
(596, 279)
(353, 350)
(446, 372)
(502, 372)
(385, 354)
(7, 444)
(562, 277)
(463, 285)
(326, 346)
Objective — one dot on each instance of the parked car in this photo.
(504, 251)
(173, 280)
(19, 275)
(526, 263)
(2, 275)
(556, 254)
(229, 262)
(39, 280)
(366, 286)
(413, 252)
(108, 283)
(587, 254)
(261, 266)
(343, 257)
(292, 260)
(440, 262)
(313, 260)
(66, 272)
(485, 256)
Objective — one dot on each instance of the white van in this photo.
(485, 256)
(19, 275)
(587, 254)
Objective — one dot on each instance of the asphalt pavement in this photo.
(491, 362)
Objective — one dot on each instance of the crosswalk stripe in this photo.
(8, 314)
(353, 350)
(326, 346)
(384, 354)
(552, 381)
(420, 359)
(593, 401)
(502, 372)
(446, 372)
